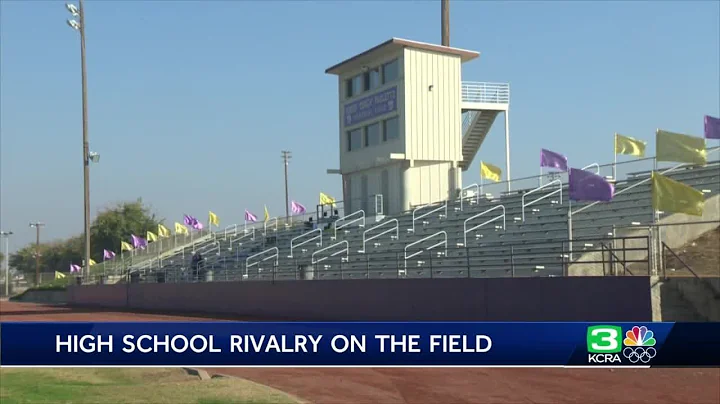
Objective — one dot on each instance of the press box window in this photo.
(372, 79)
(390, 71)
(354, 139)
(372, 136)
(390, 129)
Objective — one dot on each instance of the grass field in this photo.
(106, 385)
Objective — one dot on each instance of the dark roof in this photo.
(397, 43)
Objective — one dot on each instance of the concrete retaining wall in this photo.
(501, 299)
(44, 296)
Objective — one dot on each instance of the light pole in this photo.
(37, 226)
(7, 235)
(79, 25)
(286, 156)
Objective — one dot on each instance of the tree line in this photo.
(111, 226)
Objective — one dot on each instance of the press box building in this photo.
(409, 125)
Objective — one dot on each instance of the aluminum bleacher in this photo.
(521, 233)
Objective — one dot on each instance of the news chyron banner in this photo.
(223, 344)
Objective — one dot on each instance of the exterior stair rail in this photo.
(442, 243)
(443, 207)
(293, 246)
(348, 220)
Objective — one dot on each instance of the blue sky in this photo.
(190, 103)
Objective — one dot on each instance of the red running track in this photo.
(420, 386)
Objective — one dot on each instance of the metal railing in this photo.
(232, 226)
(395, 228)
(250, 234)
(260, 254)
(596, 165)
(500, 216)
(442, 243)
(269, 224)
(463, 191)
(293, 246)
(348, 220)
(492, 93)
(346, 250)
(559, 190)
(443, 206)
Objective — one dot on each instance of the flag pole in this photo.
(481, 181)
(615, 157)
(656, 229)
(540, 178)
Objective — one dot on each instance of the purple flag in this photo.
(586, 186)
(712, 127)
(188, 220)
(197, 225)
(553, 160)
(108, 255)
(249, 217)
(138, 242)
(74, 268)
(297, 209)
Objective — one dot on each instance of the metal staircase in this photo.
(481, 104)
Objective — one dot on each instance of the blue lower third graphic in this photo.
(359, 344)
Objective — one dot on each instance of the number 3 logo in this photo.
(604, 339)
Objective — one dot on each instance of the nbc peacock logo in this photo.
(639, 345)
(605, 344)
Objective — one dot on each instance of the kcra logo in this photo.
(606, 345)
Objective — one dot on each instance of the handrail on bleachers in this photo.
(276, 255)
(232, 226)
(346, 221)
(466, 230)
(442, 243)
(384, 223)
(293, 246)
(596, 165)
(346, 250)
(265, 225)
(463, 197)
(524, 205)
(250, 234)
(443, 206)
(668, 170)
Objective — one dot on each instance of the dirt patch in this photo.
(702, 255)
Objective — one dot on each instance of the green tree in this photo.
(117, 223)
(111, 226)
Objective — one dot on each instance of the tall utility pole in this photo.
(445, 22)
(37, 226)
(7, 235)
(286, 156)
(79, 25)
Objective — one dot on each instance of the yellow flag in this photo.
(151, 236)
(181, 229)
(59, 275)
(490, 172)
(125, 246)
(267, 214)
(163, 231)
(326, 200)
(629, 145)
(679, 148)
(672, 196)
(213, 219)
(92, 262)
